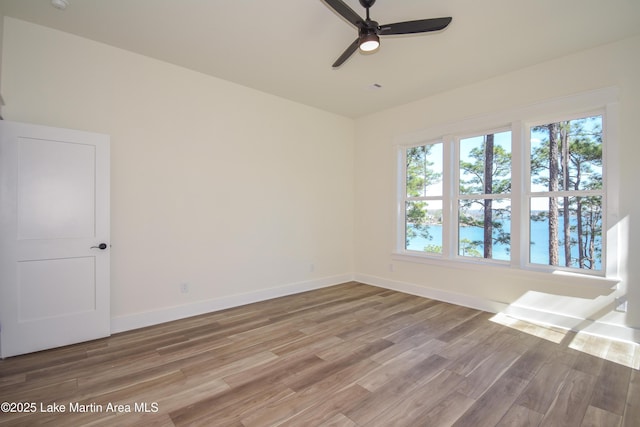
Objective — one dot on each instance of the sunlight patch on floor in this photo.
(549, 333)
(623, 353)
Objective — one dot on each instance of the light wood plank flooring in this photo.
(347, 355)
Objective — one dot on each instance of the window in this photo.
(423, 202)
(528, 195)
(484, 196)
(566, 194)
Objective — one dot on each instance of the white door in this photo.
(54, 237)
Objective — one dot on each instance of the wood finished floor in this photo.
(348, 355)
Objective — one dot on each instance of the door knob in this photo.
(101, 246)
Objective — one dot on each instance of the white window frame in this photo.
(600, 102)
(602, 193)
(455, 214)
(404, 198)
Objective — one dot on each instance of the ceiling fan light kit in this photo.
(369, 42)
(369, 31)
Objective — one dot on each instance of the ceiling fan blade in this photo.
(345, 11)
(412, 27)
(347, 53)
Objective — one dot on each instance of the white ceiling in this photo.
(286, 47)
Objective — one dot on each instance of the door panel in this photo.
(54, 281)
(41, 283)
(56, 189)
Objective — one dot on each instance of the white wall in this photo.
(611, 65)
(238, 192)
(229, 189)
(1, 33)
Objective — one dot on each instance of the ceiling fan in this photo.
(369, 31)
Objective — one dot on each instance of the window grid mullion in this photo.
(450, 236)
(520, 201)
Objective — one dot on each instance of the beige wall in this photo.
(615, 65)
(1, 33)
(229, 189)
(237, 192)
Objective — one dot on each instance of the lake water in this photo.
(539, 249)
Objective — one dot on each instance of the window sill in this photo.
(501, 267)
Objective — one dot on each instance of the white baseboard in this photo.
(593, 327)
(149, 318)
(437, 294)
(588, 326)
(576, 324)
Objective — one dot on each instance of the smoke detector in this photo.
(60, 4)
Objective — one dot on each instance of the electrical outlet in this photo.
(312, 268)
(184, 288)
(621, 304)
